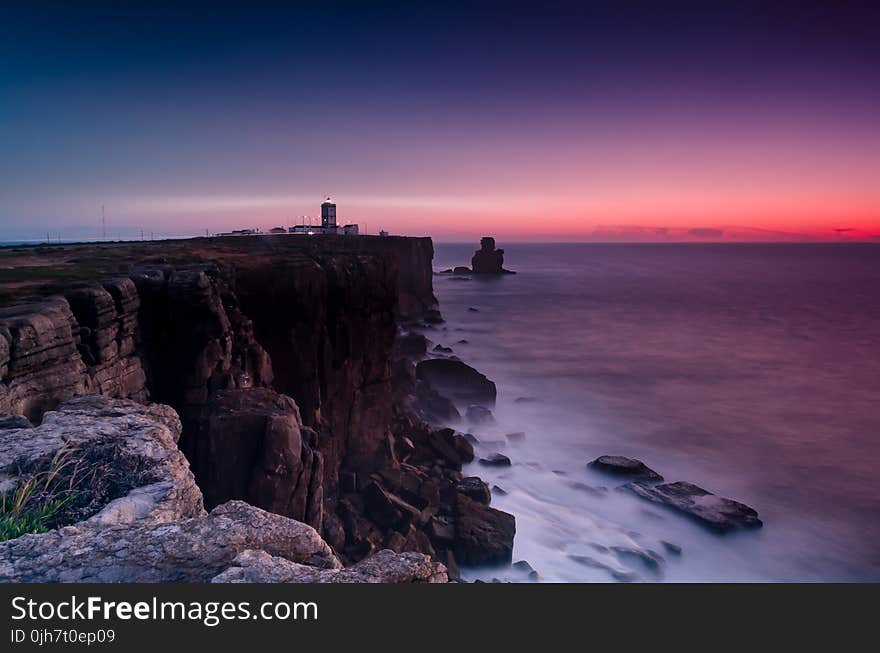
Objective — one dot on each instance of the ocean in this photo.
(752, 370)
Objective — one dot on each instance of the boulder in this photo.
(121, 456)
(518, 436)
(628, 467)
(457, 380)
(483, 535)
(475, 488)
(718, 513)
(495, 460)
(192, 550)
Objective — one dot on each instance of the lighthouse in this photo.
(328, 215)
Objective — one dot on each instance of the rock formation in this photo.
(718, 513)
(294, 377)
(487, 259)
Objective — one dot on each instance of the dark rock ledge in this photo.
(717, 513)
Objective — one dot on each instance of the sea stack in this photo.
(487, 259)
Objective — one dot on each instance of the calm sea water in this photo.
(750, 370)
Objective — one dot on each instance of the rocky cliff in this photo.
(277, 354)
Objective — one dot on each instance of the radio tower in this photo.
(103, 224)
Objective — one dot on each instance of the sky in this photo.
(540, 121)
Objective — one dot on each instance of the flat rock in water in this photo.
(629, 467)
(709, 509)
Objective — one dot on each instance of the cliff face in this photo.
(60, 347)
(276, 353)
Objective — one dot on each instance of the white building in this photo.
(328, 214)
(328, 225)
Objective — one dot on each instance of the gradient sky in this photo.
(554, 121)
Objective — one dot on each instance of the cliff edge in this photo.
(276, 355)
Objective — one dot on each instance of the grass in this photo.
(76, 483)
(34, 505)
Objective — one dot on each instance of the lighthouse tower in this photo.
(328, 214)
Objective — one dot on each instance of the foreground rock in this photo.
(383, 567)
(709, 509)
(629, 467)
(487, 259)
(129, 466)
(192, 550)
(457, 380)
(145, 521)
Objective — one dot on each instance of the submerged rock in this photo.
(671, 548)
(617, 573)
(709, 509)
(479, 415)
(629, 467)
(598, 492)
